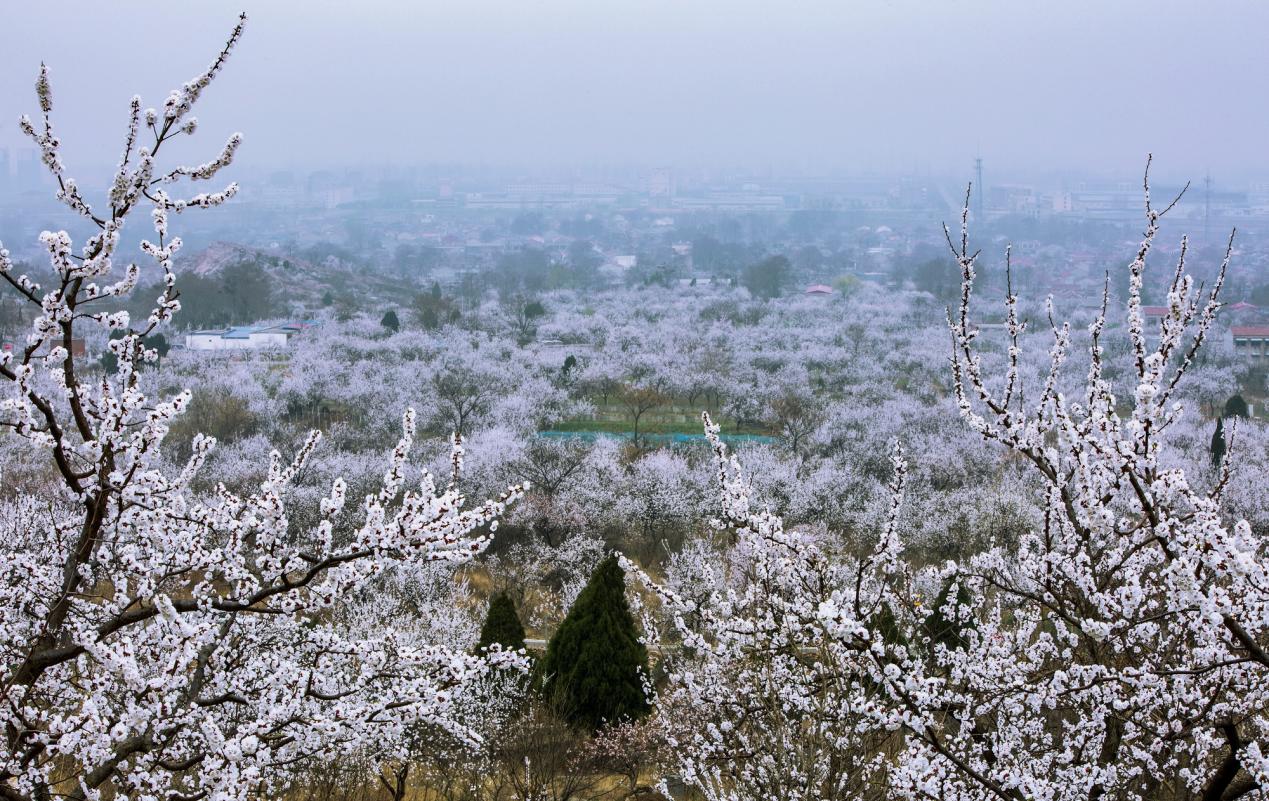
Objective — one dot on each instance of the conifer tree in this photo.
(1236, 406)
(429, 319)
(502, 625)
(390, 321)
(945, 631)
(883, 623)
(595, 666)
(1218, 442)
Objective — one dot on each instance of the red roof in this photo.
(819, 289)
(1250, 330)
(1154, 311)
(1243, 305)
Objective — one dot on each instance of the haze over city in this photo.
(1081, 87)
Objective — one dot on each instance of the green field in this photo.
(676, 419)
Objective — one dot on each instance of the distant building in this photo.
(661, 183)
(1116, 202)
(1013, 199)
(1151, 318)
(245, 337)
(77, 347)
(819, 289)
(697, 280)
(1251, 342)
(731, 201)
(1243, 312)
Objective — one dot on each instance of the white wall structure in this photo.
(244, 337)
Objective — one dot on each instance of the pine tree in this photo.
(595, 665)
(1218, 442)
(1236, 406)
(950, 633)
(502, 625)
(429, 319)
(884, 625)
(109, 361)
(883, 622)
(390, 321)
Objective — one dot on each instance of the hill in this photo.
(228, 283)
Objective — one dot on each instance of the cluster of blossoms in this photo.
(1118, 650)
(156, 643)
(772, 693)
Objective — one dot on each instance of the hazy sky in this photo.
(889, 85)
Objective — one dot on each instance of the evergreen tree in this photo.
(109, 361)
(595, 665)
(390, 321)
(159, 343)
(766, 279)
(884, 625)
(429, 319)
(1218, 443)
(1236, 406)
(502, 625)
(950, 633)
(883, 622)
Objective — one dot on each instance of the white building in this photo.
(245, 337)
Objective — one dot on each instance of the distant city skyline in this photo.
(21, 163)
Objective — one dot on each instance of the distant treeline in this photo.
(242, 292)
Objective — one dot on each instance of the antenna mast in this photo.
(1207, 204)
(978, 185)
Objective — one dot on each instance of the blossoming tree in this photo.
(762, 699)
(155, 644)
(1117, 650)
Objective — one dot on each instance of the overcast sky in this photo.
(1086, 85)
